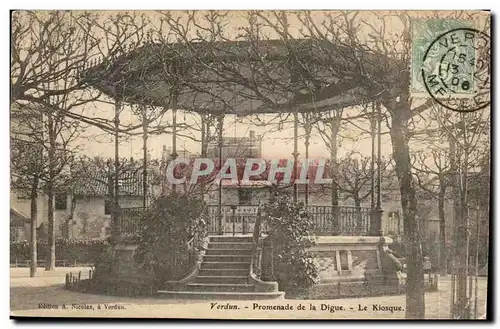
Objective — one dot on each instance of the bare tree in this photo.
(434, 178)
(468, 140)
(27, 167)
(43, 148)
(49, 49)
(353, 176)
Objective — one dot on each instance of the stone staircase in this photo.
(223, 273)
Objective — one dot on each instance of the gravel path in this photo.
(33, 296)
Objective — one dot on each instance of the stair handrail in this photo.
(189, 243)
(189, 247)
(256, 259)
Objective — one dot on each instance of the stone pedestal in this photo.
(118, 274)
(352, 266)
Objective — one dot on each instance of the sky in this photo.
(275, 143)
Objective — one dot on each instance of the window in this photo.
(85, 224)
(13, 234)
(108, 207)
(244, 197)
(344, 260)
(61, 202)
(393, 214)
(23, 196)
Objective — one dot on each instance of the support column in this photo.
(174, 154)
(372, 162)
(203, 151)
(295, 154)
(219, 208)
(145, 156)
(334, 129)
(379, 154)
(307, 129)
(376, 211)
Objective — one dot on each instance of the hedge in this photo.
(85, 251)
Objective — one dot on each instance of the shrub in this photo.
(85, 251)
(162, 241)
(291, 234)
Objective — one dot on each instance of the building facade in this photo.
(237, 147)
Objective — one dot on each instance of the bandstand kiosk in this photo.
(237, 78)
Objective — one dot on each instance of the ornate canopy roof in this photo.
(243, 78)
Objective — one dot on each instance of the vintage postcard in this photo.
(250, 164)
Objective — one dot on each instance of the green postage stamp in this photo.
(449, 63)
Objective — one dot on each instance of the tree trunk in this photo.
(415, 302)
(51, 261)
(69, 221)
(462, 252)
(51, 245)
(442, 231)
(115, 217)
(460, 242)
(33, 225)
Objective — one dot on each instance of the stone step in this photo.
(244, 252)
(230, 245)
(229, 238)
(223, 272)
(222, 279)
(220, 287)
(220, 295)
(226, 265)
(227, 258)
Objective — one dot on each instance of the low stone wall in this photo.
(352, 266)
(118, 274)
(348, 266)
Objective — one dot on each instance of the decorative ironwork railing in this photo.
(236, 219)
(256, 260)
(341, 220)
(233, 219)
